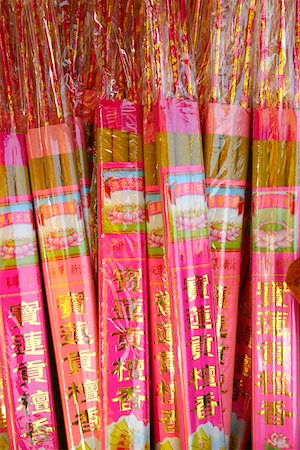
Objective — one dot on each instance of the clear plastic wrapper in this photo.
(123, 278)
(27, 400)
(180, 174)
(242, 383)
(62, 241)
(24, 347)
(275, 312)
(162, 350)
(275, 231)
(227, 133)
(72, 18)
(122, 253)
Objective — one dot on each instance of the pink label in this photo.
(24, 349)
(221, 201)
(72, 308)
(275, 363)
(242, 383)
(276, 125)
(226, 209)
(50, 140)
(27, 368)
(275, 326)
(283, 201)
(186, 189)
(119, 115)
(162, 367)
(124, 387)
(12, 150)
(124, 184)
(227, 120)
(73, 320)
(15, 217)
(190, 281)
(154, 209)
(49, 211)
(174, 115)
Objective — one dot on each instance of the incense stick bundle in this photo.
(179, 160)
(122, 269)
(71, 27)
(65, 259)
(164, 413)
(24, 347)
(27, 408)
(226, 149)
(275, 178)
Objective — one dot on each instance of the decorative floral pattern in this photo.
(155, 239)
(190, 220)
(273, 235)
(126, 215)
(128, 433)
(222, 233)
(63, 239)
(277, 441)
(17, 249)
(207, 437)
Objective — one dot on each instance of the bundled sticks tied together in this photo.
(149, 224)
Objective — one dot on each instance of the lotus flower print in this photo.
(273, 235)
(62, 239)
(277, 441)
(156, 239)
(126, 215)
(190, 220)
(128, 434)
(222, 233)
(17, 248)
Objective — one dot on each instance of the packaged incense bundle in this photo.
(242, 382)
(122, 269)
(275, 224)
(90, 55)
(162, 368)
(27, 403)
(179, 158)
(199, 25)
(226, 148)
(71, 23)
(63, 247)
(24, 348)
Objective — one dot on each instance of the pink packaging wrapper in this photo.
(242, 382)
(123, 307)
(190, 280)
(275, 244)
(227, 129)
(68, 282)
(4, 437)
(164, 412)
(24, 347)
